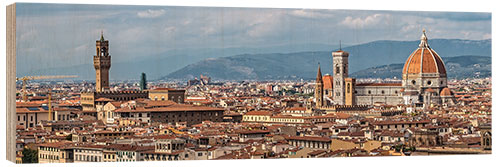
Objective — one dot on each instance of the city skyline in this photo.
(417, 96)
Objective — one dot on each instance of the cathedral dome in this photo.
(446, 92)
(424, 60)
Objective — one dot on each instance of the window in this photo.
(429, 82)
(413, 82)
(349, 88)
(383, 92)
(18, 118)
(369, 92)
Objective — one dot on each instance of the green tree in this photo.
(30, 156)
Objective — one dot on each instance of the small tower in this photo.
(340, 73)
(143, 84)
(318, 92)
(102, 63)
(350, 96)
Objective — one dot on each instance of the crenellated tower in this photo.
(102, 63)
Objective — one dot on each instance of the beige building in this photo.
(57, 152)
(338, 144)
(312, 142)
(109, 156)
(89, 153)
(297, 111)
(90, 100)
(162, 94)
(166, 149)
(29, 117)
(257, 116)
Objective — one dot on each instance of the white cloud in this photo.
(311, 14)
(369, 21)
(151, 13)
(265, 25)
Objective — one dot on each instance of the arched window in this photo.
(337, 69)
(103, 51)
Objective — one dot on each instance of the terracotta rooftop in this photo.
(259, 113)
(309, 138)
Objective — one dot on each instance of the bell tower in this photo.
(102, 63)
(340, 73)
(318, 92)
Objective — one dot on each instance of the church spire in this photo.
(423, 40)
(319, 77)
(102, 36)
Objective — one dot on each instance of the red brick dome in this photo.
(424, 60)
(446, 92)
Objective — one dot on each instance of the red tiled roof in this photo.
(171, 108)
(327, 82)
(252, 131)
(104, 99)
(309, 138)
(258, 113)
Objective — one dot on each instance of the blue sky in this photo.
(61, 35)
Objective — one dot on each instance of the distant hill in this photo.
(456, 67)
(303, 65)
(273, 62)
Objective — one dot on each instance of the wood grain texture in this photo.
(11, 82)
